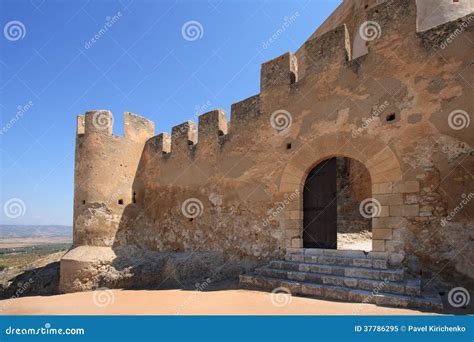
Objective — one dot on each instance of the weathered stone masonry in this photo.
(129, 190)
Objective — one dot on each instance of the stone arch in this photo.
(388, 186)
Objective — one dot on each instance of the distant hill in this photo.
(13, 231)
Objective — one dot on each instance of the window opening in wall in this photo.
(292, 77)
(390, 117)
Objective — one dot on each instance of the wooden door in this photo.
(320, 206)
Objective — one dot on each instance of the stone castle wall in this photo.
(388, 109)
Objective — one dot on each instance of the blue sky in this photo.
(50, 71)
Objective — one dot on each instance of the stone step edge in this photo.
(390, 270)
(339, 252)
(404, 283)
(289, 258)
(353, 295)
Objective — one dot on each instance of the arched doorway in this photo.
(332, 194)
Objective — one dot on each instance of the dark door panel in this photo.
(320, 206)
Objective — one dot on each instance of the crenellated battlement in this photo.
(331, 49)
(100, 122)
(323, 52)
(212, 125)
(282, 70)
(183, 137)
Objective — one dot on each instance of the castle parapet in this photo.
(330, 49)
(244, 113)
(183, 136)
(159, 144)
(211, 126)
(282, 70)
(137, 128)
(98, 122)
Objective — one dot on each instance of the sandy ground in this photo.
(182, 302)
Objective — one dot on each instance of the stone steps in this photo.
(348, 271)
(340, 292)
(408, 287)
(359, 276)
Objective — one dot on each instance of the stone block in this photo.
(351, 282)
(377, 255)
(296, 214)
(396, 259)
(304, 268)
(313, 251)
(291, 224)
(382, 234)
(328, 280)
(388, 222)
(311, 290)
(296, 276)
(389, 199)
(321, 269)
(380, 263)
(358, 296)
(384, 211)
(405, 187)
(311, 258)
(362, 273)
(362, 262)
(405, 210)
(294, 250)
(378, 245)
(296, 242)
(382, 188)
(336, 293)
(327, 260)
